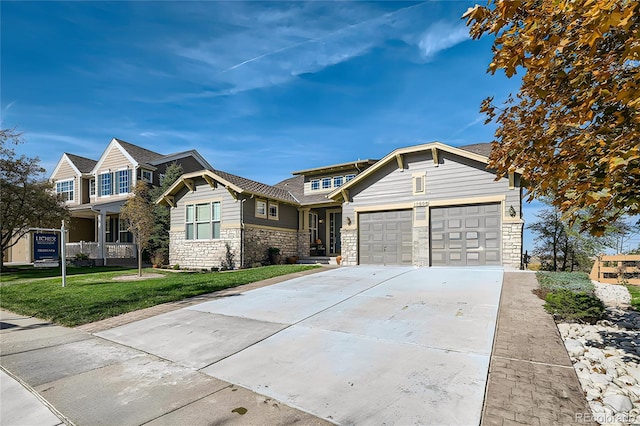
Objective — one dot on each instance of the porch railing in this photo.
(112, 250)
(617, 269)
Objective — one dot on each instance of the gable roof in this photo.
(83, 164)
(233, 183)
(470, 151)
(139, 154)
(183, 154)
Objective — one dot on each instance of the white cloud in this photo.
(441, 36)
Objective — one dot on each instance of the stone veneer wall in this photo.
(203, 254)
(421, 246)
(258, 240)
(304, 243)
(512, 244)
(349, 251)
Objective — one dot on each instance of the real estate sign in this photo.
(45, 246)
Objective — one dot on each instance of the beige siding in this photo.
(114, 160)
(65, 171)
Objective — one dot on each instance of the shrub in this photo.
(81, 256)
(568, 305)
(574, 281)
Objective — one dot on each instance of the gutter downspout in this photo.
(242, 233)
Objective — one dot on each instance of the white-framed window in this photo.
(104, 180)
(123, 181)
(274, 211)
(261, 208)
(338, 181)
(347, 178)
(65, 189)
(418, 184)
(315, 184)
(202, 221)
(147, 175)
(92, 187)
(326, 183)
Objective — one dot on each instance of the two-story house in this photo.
(95, 191)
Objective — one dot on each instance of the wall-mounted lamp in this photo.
(321, 221)
(512, 211)
(348, 221)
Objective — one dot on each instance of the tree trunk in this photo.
(139, 261)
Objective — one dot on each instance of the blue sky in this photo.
(259, 88)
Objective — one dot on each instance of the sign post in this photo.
(63, 255)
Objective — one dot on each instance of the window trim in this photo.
(118, 181)
(419, 178)
(266, 208)
(92, 185)
(71, 191)
(101, 186)
(315, 184)
(335, 179)
(277, 207)
(328, 181)
(142, 172)
(212, 221)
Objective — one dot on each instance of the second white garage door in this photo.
(385, 238)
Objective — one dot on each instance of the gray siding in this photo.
(455, 177)
(288, 215)
(230, 209)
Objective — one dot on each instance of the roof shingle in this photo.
(85, 165)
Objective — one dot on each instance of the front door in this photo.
(335, 224)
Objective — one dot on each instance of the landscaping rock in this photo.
(618, 403)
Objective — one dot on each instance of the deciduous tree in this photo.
(137, 211)
(574, 126)
(27, 198)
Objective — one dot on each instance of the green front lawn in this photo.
(92, 296)
(635, 296)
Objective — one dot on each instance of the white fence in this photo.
(112, 250)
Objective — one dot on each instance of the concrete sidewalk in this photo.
(96, 382)
(531, 378)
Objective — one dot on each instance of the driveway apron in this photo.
(354, 345)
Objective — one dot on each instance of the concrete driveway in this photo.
(354, 345)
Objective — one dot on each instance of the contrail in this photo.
(291, 46)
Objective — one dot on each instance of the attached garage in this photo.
(465, 235)
(385, 238)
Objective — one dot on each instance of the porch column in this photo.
(303, 222)
(102, 235)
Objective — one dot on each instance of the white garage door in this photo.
(385, 238)
(465, 235)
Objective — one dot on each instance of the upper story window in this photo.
(315, 184)
(161, 178)
(418, 184)
(123, 181)
(92, 187)
(347, 178)
(337, 181)
(326, 183)
(273, 211)
(202, 221)
(65, 189)
(147, 175)
(261, 209)
(104, 182)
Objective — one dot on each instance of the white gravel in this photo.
(606, 357)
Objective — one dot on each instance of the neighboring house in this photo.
(424, 205)
(96, 190)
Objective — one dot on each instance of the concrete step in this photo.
(317, 260)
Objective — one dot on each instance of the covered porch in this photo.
(97, 231)
(320, 225)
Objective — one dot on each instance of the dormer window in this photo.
(65, 189)
(326, 183)
(347, 178)
(315, 184)
(337, 181)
